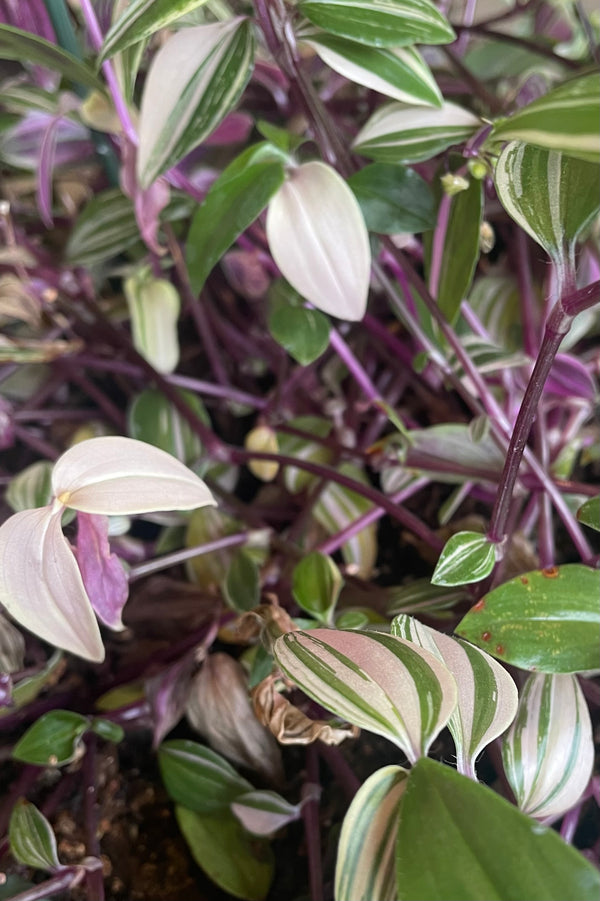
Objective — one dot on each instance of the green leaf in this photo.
(302, 332)
(338, 507)
(107, 730)
(393, 199)
(242, 584)
(375, 681)
(27, 690)
(105, 228)
(480, 846)
(32, 840)
(193, 82)
(23, 47)
(198, 777)
(588, 513)
(460, 248)
(487, 696)
(466, 557)
(398, 133)
(546, 620)
(365, 866)
(316, 585)
(153, 418)
(566, 119)
(142, 19)
(548, 753)
(553, 197)
(154, 306)
(401, 74)
(240, 865)
(53, 740)
(379, 23)
(233, 202)
(420, 596)
(295, 446)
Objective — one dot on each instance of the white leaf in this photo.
(319, 240)
(41, 586)
(114, 475)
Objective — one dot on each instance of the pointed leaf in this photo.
(105, 228)
(566, 119)
(237, 863)
(103, 575)
(53, 740)
(233, 202)
(41, 586)
(32, 841)
(366, 865)
(487, 696)
(546, 620)
(337, 508)
(242, 585)
(199, 777)
(114, 475)
(319, 240)
(466, 557)
(548, 753)
(154, 307)
(377, 682)
(589, 513)
(264, 812)
(193, 82)
(302, 332)
(401, 74)
(398, 133)
(22, 46)
(380, 23)
(142, 19)
(393, 199)
(316, 584)
(552, 196)
(474, 838)
(152, 418)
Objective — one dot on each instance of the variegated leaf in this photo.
(398, 133)
(366, 868)
(337, 507)
(487, 696)
(154, 306)
(376, 681)
(140, 20)
(566, 119)
(553, 197)
(264, 812)
(114, 475)
(105, 228)
(399, 73)
(319, 240)
(548, 752)
(193, 82)
(304, 449)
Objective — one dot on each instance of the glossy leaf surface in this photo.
(304, 333)
(141, 19)
(198, 777)
(589, 513)
(474, 839)
(393, 199)
(32, 840)
(546, 620)
(153, 418)
(53, 739)
(316, 584)
(467, 557)
(548, 753)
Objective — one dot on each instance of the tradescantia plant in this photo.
(299, 354)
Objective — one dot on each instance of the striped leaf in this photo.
(140, 20)
(398, 133)
(487, 696)
(319, 240)
(466, 557)
(401, 73)
(546, 620)
(32, 841)
(193, 82)
(297, 480)
(199, 777)
(365, 868)
(553, 197)
(106, 227)
(566, 119)
(375, 681)
(154, 306)
(24, 47)
(548, 752)
(338, 507)
(380, 23)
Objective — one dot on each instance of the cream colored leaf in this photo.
(41, 586)
(319, 240)
(114, 475)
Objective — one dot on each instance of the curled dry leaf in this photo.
(219, 709)
(267, 621)
(288, 724)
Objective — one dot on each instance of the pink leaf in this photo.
(103, 575)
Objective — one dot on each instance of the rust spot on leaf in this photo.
(551, 572)
(478, 606)
(485, 636)
(523, 580)
(500, 649)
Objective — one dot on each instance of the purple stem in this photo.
(63, 881)
(39, 445)
(152, 566)
(439, 240)
(339, 766)
(529, 303)
(109, 73)
(344, 353)
(568, 827)
(312, 832)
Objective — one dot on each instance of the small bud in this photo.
(487, 237)
(478, 169)
(262, 439)
(454, 184)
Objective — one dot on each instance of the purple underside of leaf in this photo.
(45, 170)
(103, 575)
(570, 377)
(167, 695)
